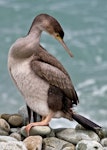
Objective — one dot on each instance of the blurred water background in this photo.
(85, 26)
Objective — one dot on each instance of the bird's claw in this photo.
(28, 127)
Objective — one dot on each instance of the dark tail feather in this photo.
(86, 123)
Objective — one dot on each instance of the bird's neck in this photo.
(27, 46)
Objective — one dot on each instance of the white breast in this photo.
(33, 88)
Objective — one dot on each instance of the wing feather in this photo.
(50, 59)
(54, 76)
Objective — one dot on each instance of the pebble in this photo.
(13, 136)
(6, 139)
(53, 143)
(12, 130)
(15, 120)
(99, 132)
(33, 142)
(104, 142)
(88, 145)
(104, 132)
(5, 116)
(2, 132)
(74, 136)
(10, 143)
(4, 126)
(68, 146)
(16, 136)
(37, 130)
(79, 127)
(12, 146)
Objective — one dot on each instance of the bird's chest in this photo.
(33, 88)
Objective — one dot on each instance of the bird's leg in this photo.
(29, 113)
(34, 116)
(43, 118)
(42, 123)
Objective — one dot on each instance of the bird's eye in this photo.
(57, 35)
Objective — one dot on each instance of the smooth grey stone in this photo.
(104, 142)
(88, 145)
(12, 145)
(103, 132)
(12, 130)
(53, 143)
(6, 139)
(68, 146)
(3, 132)
(5, 116)
(4, 125)
(16, 136)
(37, 130)
(74, 136)
(99, 132)
(79, 127)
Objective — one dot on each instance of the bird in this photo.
(42, 80)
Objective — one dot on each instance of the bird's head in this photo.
(50, 25)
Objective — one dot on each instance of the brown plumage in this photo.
(40, 77)
(54, 73)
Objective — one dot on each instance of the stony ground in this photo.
(13, 136)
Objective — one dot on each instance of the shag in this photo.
(42, 80)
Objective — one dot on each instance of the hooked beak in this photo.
(64, 45)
